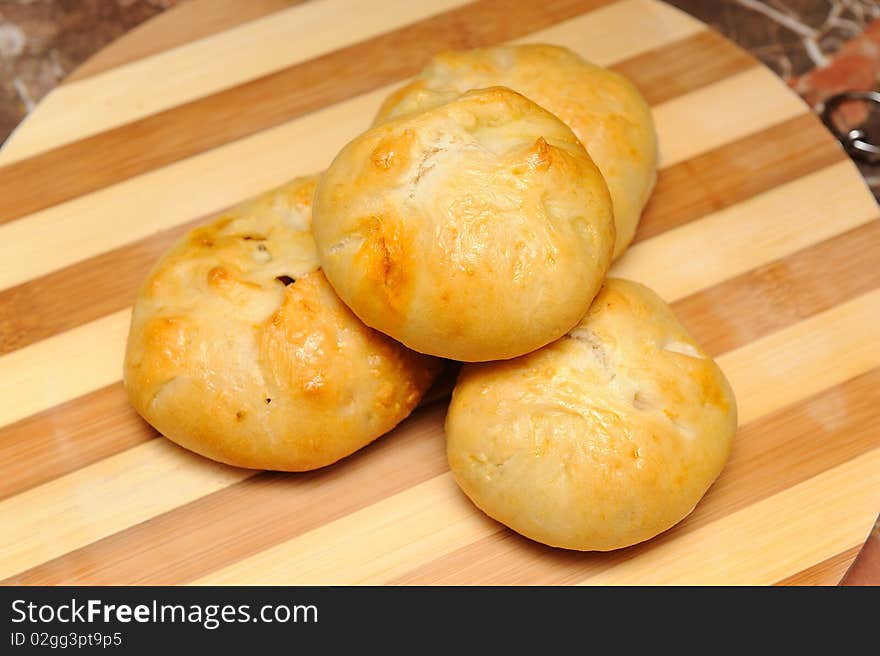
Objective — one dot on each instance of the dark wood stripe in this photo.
(785, 291)
(691, 63)
(828, 572)
(740, 170)
(183, 24)
(51, 304)
(769, 455)
(69, 436)
(92, 427)
(120, 153)
(253, 515)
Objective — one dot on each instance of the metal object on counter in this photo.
(855, 141)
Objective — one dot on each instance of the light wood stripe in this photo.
(208, 122)
(180, 25)
(802, 359)
(155, 477)
(87, 429)
(650, 69)
(617, 31)
(784, 291)
(766, 459)
(50, 304)
(409, 527)
(69, 436)
(749, 234)
(148, 462)
(62, 367)
(679, 254)
(207, 66)
(737, 171)
(161, 199)
(761, 544)
(828, 572)
(706, 119)
(198, 186)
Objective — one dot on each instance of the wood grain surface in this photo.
(760, 233)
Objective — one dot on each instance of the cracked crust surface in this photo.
(604, 438)
(478, 230)
(240, 350)
(603, 108)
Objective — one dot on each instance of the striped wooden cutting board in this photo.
(760, 233)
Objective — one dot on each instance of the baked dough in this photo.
(477, 230)
(239, 350)
(600, 440)
(603, 108)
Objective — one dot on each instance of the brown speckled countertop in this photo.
(42, 41)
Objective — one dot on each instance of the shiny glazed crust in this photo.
(604, 438)
(239, 350)
(603, 108)
(477, 230)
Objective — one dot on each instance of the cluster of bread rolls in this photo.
(475, 221)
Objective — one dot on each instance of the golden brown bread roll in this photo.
(604, 109)
(600, 440)
(239, 349)
(477, 230)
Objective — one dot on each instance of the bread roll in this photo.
(477, 230)
(603, 108)
(600, 440)
(239, 350)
